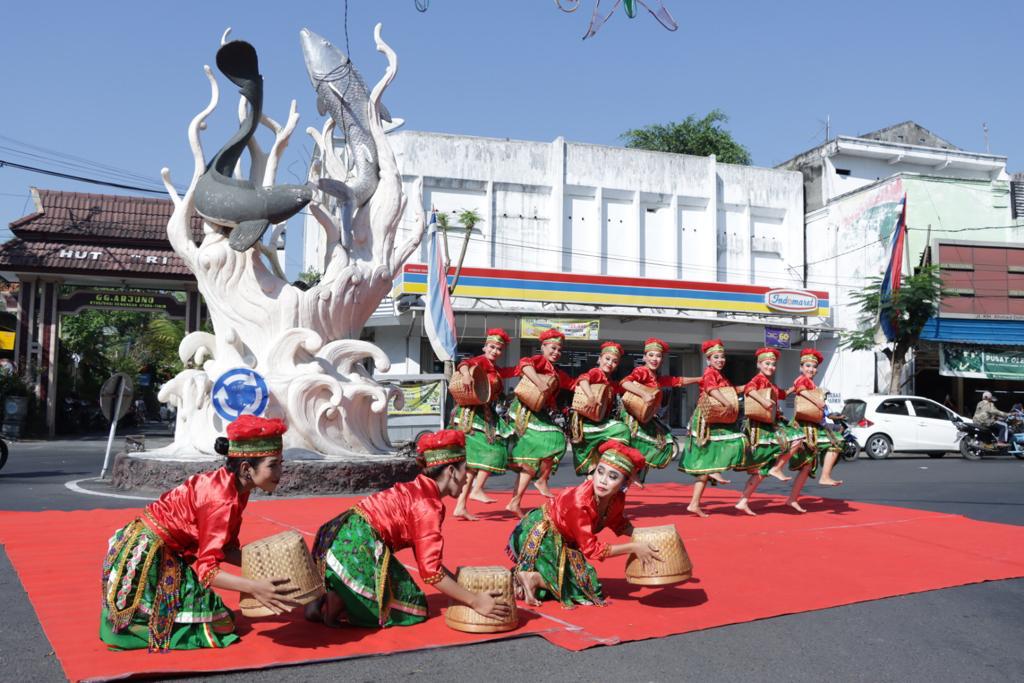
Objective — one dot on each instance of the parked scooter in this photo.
(3, 453)
(977, 441)
(850, 449)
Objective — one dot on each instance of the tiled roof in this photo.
(59, 257)
(99, 218)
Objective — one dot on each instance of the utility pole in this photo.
(828, 126)
(984, 128)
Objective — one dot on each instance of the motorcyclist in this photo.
(987, 415)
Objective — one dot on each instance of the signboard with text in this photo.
(589, 330)
(961, 360)
(171, 303)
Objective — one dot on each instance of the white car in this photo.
(886, 424)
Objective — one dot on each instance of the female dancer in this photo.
(586, 435)
(770, 442)
(486, 433)
(652, 438)
(818, 440)
(366, 585)
(155, 594)
(541, 443)
(551, 546)
(711, 448)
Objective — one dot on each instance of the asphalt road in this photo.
(967, 633)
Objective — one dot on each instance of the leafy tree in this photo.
(311, 276)
(910, 307)
(469, 219)
(700, 137)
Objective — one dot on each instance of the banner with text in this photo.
(962, 360)
(421, 398)
(589, 330)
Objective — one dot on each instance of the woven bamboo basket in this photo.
(675, 566)
(476, 392)
(642, 407)
(716, 413)
(464, 618)
(286, 556)
(532, 396)
(604, 402)
(755, 411)
(806, 411)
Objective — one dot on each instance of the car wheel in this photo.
(937, 455)
(969, 449)
(878, 447)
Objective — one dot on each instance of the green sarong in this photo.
(538, 439)
(587, 436)
(817, 442)
(376, 589)
(536, 546)
(486, 437)
(152, 598)
(712, 448)
(652, 439)
(768, 442)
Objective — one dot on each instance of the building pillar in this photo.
(562, 228)
(25, 328)
(49, 320)
(193, 311)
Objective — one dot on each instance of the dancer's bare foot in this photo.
(695, 509)
(528, 583)
(830, 482)
(332, 610)
(480, 497)
(744, 506)
(465, 514)
(312, 611)
(719, 478)
(777, 473)
(795, 505)
(542, 488)
(515, 508)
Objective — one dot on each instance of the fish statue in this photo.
(342, 93)
(239, 204)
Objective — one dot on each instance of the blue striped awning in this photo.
(973, 331)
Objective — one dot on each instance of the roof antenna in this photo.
(984, 127)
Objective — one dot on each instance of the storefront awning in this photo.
(974, 331)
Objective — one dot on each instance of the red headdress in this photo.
(809, 354)
(766, 351)
(255, 437)
(445, 447)
(611, 347)
(552, 334)
(497, 335)
(655, 344)
(712, 346)
(624, 458)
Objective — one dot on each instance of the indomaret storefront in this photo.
(78, 251)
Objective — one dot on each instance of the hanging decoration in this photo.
(662, 14)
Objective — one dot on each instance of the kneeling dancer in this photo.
(366, 585)
(551, 546)
(159, 568)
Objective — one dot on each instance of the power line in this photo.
(81, 179)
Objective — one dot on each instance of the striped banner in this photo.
(607, 290)
(439, 318)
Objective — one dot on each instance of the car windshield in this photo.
(853, 411)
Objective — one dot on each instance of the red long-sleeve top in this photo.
(761, 381)
(804, 383)
(597, 376)
(199, 519)
(574, 515)
(544, 367)
(647, 377)
(712, 379)
(494, 373)
(410, 514)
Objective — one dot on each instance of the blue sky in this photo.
(117, 82)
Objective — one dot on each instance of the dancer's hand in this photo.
(272, 594)
(648, 554)
(488, 604)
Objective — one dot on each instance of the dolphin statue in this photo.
(342, 93)
(239, 204)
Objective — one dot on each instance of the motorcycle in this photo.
(3, 453)
(850, 449)
(977, 441)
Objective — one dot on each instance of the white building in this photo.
(625, 243)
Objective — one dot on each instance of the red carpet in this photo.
(745, 568)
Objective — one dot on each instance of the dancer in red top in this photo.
(159, 569)
(486, 433)
(366, 585)
(540, 442)
(652, 438)
(551, 546)
(586, 434)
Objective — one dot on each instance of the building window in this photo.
(843, 171)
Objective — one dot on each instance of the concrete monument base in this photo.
(328, 476)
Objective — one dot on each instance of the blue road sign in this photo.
(238, 392)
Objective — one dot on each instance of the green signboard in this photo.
(981, 362)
